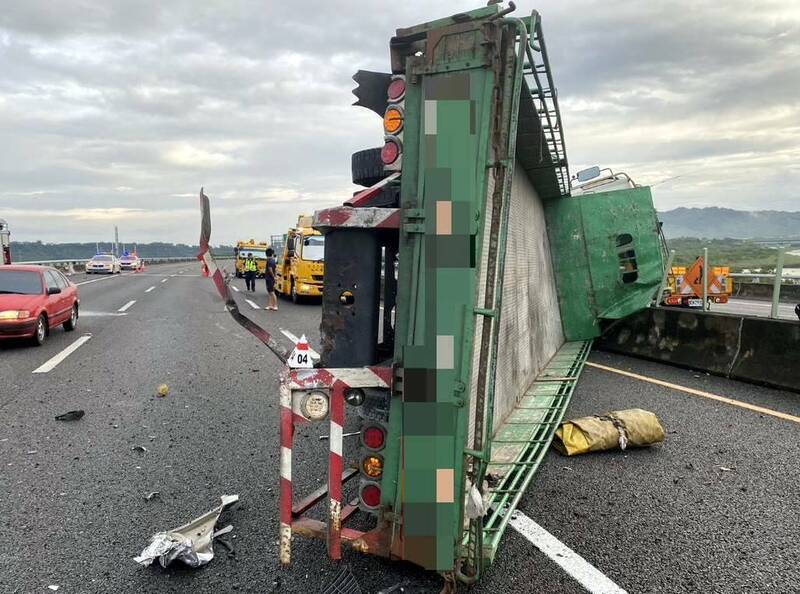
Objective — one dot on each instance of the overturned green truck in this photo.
(463, 288)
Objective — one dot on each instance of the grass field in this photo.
(736, 253)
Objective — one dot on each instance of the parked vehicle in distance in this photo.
(685, 285)
(256, 249)
(130, 262)
(5, 243)
(103, 264)
(301, 265)
(34, 300)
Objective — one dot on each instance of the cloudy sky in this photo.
(117, 111)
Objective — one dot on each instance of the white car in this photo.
(130, 262)
(103, 264)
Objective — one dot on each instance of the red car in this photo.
(35, 299)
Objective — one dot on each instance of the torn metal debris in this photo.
(190, 543)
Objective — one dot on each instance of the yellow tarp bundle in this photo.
(618, 429)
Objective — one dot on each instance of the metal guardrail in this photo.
(69, 264)
(766, 276)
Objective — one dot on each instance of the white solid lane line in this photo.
(253, 304)
(150, 289)
(52, 363)
(586, 574)
(96, 280)
(127, 305)
(235, 288)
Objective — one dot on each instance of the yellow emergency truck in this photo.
(301, 266)
(259, 251)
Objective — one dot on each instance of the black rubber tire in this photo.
(367, 167)
(40, 336)
(72, 322)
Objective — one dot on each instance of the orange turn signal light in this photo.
(372, 466)
(393, 120)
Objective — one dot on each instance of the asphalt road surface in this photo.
(752, 307)
(714, 509)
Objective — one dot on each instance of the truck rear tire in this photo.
(367, 167)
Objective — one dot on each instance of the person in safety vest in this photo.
(250, 269)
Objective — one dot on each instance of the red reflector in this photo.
(374, 437)
(390, 152)
(396, 90)
(371, 495)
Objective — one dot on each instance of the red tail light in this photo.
(373, 437)
(371, 495)
(390, 151)
(396, 90)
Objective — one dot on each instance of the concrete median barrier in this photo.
(757, 350)
(763, 292)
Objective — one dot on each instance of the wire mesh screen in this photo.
(530, 321)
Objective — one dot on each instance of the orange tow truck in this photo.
(686, 285)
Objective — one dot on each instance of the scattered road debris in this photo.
(73, 415)
(30, 452)
(190, 543)
(139, 448)
(163, 390)
(52, 587)
(152, 495)
(614, 430)
(726, 469)
(344, 583)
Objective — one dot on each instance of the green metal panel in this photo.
(584, 233)
(434, 318)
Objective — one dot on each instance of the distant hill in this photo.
(31, 251)
(719, 223)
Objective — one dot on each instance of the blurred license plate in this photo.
(695, 303)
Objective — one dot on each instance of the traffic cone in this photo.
(301, 356)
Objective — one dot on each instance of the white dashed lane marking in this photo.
(235, 288)
(163, 280)
(53, 362)
(127, 306)
(253, 304)
(150, 289)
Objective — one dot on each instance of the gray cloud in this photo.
(117, 112)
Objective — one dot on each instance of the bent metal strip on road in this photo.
(53, 362)
(586, 574)
(694, 392)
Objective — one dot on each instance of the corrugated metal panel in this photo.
(530, 322)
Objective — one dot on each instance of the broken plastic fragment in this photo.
(151, 495)
(476, 507)
(190, 543)
(72, 415)
(163, 390)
